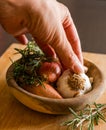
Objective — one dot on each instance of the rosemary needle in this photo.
(90, 114)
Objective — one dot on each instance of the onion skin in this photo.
(50, 71)
(45, 90)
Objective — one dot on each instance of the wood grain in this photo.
(15, 116)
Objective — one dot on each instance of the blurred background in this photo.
(90, 19)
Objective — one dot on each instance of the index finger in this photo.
(72, 36)
(65, 52)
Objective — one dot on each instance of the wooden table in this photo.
(16, 116)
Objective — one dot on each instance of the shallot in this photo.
(50, 71)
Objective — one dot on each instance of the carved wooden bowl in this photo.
(58, 106)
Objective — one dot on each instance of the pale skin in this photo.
(51, 25)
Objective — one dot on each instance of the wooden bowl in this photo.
(58, 106)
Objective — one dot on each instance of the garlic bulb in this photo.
(72, 85)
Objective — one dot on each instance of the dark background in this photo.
(90, 19)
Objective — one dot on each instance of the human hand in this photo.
(51, 25)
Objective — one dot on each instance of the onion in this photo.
(50, 71)
(71, 85)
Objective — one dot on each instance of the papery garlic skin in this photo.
(67, 91)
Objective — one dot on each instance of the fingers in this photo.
(72, 36)
(65, 52)
(22, 39)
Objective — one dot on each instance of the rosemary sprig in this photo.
(91, 115)
(25, 70)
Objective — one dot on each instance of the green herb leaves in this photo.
(90, 115)
(25, 70)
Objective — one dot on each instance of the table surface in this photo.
(16, 116)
